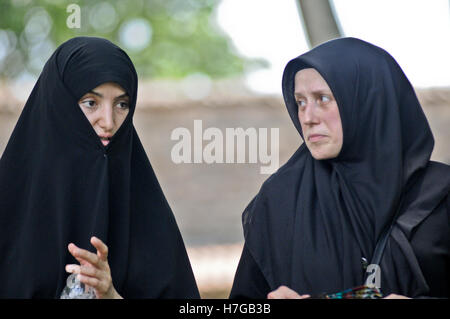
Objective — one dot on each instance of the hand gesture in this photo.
(93, 269)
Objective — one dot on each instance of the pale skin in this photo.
(321, 124)
(106, 108)
(318, 114)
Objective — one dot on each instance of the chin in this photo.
(323, 154)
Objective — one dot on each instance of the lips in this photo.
(105, 139)
(315, 137)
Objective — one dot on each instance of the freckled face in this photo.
(318, 114)
(106, 108)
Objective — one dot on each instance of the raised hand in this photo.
(93, 269)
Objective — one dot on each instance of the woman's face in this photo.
(318, 114)
(106, 107)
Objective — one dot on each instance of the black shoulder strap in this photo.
(382, 241)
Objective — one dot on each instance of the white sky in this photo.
(415, 32)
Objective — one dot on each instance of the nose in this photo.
(107, 118)
(309, 114)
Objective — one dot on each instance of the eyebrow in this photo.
(116, 98)
(320, 91)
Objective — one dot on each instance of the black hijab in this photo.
(314, 220)
(59, 184)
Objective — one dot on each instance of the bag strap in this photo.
(374, 266)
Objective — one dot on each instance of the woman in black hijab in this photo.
(365, 165)
(68, 177)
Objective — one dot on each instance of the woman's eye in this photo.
(301, 103)
(122, 105)
(324, 98)
(89, 104)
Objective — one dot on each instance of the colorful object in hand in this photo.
(360, 292)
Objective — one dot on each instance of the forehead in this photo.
(310, 80)
(110, 87)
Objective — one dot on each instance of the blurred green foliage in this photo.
(164, 38)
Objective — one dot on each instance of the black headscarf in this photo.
(314, 220)
(59, 184)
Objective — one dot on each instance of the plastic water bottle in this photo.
(75, 289)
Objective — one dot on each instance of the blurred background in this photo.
(221, 61)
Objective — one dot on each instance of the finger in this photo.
(83, 255)
(102, 249)
(90, 271)
(90, 281)
(276, 294)
(284, 292)
(86, 270)
(101, 286)
(291, 294)
(395, 296)
(71, 248)
(72, 268)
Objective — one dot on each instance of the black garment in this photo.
(59, 184)
(314, 220)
